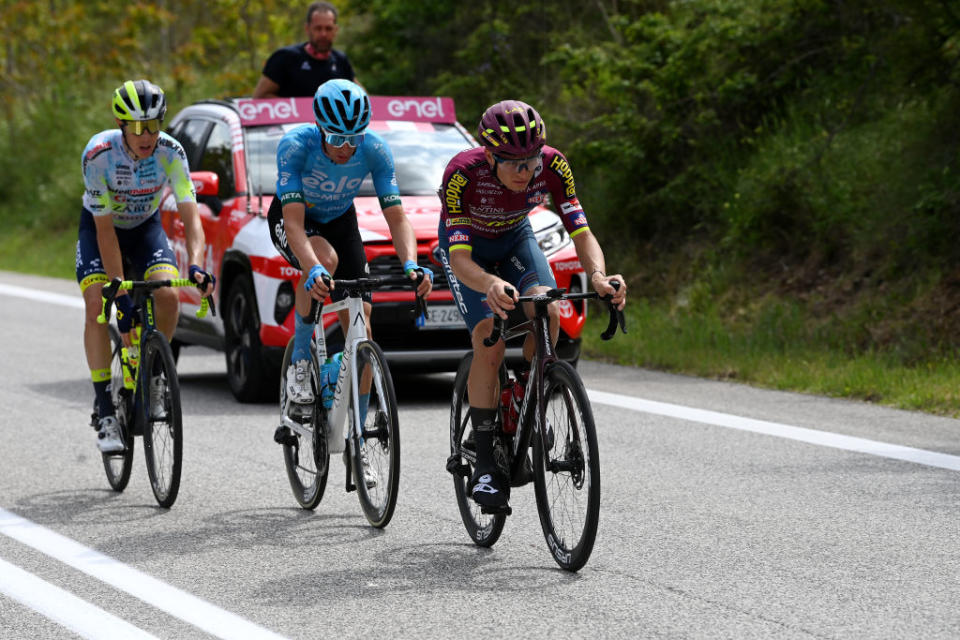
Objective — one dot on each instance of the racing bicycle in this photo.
(364, 401)
(556, 421)
(147, 403)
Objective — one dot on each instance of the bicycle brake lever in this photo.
(495, 333)
(108, 294)
(616, 316)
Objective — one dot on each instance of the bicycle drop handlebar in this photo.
(545, 298)
(117, 285)
(357, 286)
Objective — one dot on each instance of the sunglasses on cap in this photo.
(520, 164)
(338, 139)
(139, 126)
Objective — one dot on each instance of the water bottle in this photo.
(328, 378)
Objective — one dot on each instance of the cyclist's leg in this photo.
(489, 484)
(302, 300)
(150, 254)
(91, 277)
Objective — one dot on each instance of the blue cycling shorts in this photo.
(515, 256)
(145, 250)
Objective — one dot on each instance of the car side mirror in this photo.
(207, 184)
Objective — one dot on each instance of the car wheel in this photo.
(251, 376)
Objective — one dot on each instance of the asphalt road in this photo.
(728, 512)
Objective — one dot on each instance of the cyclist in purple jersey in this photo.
(124, 173)
(488, 246)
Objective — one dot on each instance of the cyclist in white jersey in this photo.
(125, 171)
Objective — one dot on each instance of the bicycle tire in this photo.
(117, 466)
(163, 432)
(484, 529)
(376, 450)
(307, 482)
(566, 477)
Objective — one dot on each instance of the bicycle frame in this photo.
(528, 419)
(142, 293)
(347, 374)
(348, 381)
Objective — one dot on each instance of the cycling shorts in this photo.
(342, 233)
(145, 250)
(515, 256)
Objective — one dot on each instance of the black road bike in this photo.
(556, 421)
(146, 391)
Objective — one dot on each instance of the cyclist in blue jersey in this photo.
(124, 172)
(313, 222)
(487, 248)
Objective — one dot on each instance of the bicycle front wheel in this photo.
(376, 448)
(118, 465)
(162, 419)
(484, 529)
(305, 456)
(566, 469)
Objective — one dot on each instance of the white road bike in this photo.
(362, 421)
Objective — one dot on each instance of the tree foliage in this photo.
(803, 129)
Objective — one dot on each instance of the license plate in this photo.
(445, 317)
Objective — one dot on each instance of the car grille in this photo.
(390, 266)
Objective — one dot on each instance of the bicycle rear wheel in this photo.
(484, 529)
(566, 476)
(163, 419)
(118, 465)
(376, 449)
(306, 458)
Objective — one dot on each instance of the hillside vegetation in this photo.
(778, 177)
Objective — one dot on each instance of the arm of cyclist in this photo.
(294, 214)
(196, 243)
(591, 257)
(405, 242)
(471, 274)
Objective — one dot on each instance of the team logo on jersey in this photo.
(453, 193)
(562, 168)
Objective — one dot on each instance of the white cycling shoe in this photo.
(108, 436)
(299, 389)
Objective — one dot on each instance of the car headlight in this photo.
(552, 239)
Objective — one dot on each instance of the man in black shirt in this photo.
(299, 69)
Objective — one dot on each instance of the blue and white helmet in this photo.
(341, 106)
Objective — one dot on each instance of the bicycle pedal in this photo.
(283, 436)
(493, 511)
(457, 468)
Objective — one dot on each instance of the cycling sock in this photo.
(301, 339)
(364, 404)
(101, 391)
(484, 422)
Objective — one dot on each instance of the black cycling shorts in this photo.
(342, 233)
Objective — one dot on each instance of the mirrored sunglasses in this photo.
(338, 139)
(520, 164)
(139, 126)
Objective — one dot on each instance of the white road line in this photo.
(180, 604)
(800, 434)
(83, 618)
(42, 296)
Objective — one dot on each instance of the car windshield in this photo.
(420, 154)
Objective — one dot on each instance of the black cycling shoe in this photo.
(489, 489)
